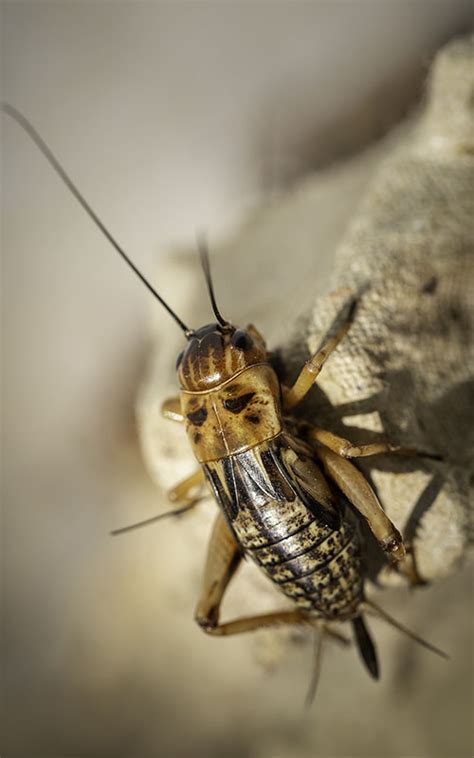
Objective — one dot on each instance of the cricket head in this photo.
(216, 352)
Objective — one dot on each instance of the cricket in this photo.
(288, 494)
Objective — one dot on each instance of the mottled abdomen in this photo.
(293, 528)
(317, 567)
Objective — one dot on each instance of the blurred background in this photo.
(172, 118)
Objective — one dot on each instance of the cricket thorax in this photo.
(234, 416)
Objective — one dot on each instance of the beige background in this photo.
(172, 118)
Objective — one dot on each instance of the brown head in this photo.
(217, 352)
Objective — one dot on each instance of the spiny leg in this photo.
(178, 495)
(310, 371)
(359, 492)
(171, 409)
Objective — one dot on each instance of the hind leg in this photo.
(359, 492)
(406, 565)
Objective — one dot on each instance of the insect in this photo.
(279, 481)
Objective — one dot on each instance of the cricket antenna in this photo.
(53, 161)
(206, 267)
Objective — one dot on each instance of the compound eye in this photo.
(241, 340)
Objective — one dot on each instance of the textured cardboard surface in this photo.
(101, 654)
(408, 361)
(405, 371)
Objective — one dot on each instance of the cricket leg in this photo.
(345, 449)
(407, 567)
(359, 492)
(310, 371)
(223, 558)
(179, 495)
(171, 409)
(250, 623)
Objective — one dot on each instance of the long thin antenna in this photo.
(206, 267)
(51, 158)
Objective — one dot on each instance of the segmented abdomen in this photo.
(317, 567)
(312, 556)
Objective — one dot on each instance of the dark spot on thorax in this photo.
(197, 417)
(237, 404)
(253, 419)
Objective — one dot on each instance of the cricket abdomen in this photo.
(313, 563)
(315, 566)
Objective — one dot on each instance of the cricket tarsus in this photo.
(56, 165)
